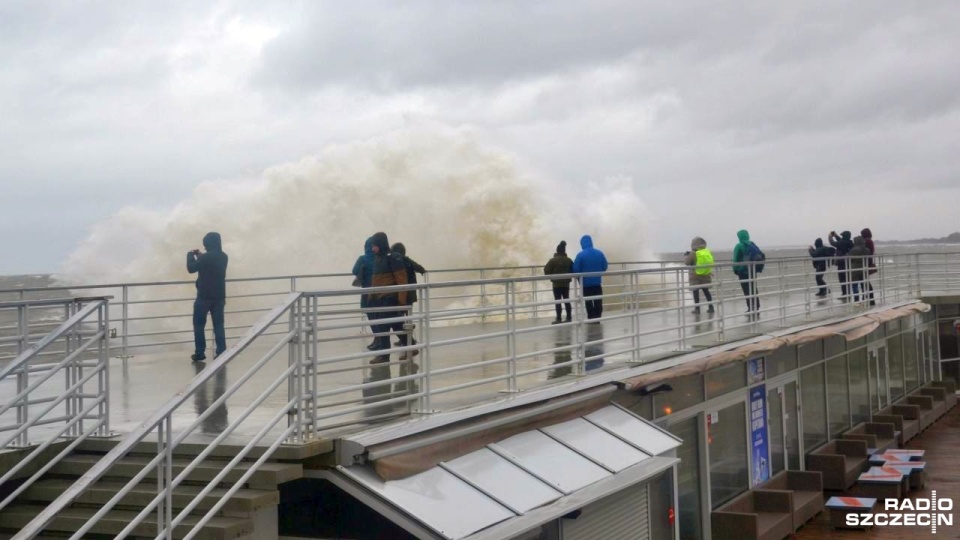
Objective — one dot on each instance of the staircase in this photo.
(250, 513)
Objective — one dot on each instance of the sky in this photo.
(789, 119)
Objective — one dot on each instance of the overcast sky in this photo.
(787, 118)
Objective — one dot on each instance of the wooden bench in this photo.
(807, 490)
(754, 515)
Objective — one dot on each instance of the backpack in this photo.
(754, 254)
(704, 262)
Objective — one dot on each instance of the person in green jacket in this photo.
(747, 252)
(560, 264)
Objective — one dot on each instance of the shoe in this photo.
(556, 321)
(569, 319)
(372, 346)
(696, 310)
(198, 357)
(710, 309)
(382, 359)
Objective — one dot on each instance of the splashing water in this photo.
(454, 202)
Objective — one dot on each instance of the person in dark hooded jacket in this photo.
(413, 268)
(363, 271)
(591, 259)
(560, 264)
(211, 293)
(746, 270)
(858, 260)
(821, 255)
(843, 244)
(867, 235)
(388, 270)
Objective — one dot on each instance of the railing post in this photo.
(293, 284)
(635, 316)
(23, 376)
(807, 302)
(782, 279)
(483, 297)
(535, 284)
(426, 373)
(581, 327)
(721, 315)
(125, 322)
(104, 376)
(682, 314)
(512, 334)
(919, 282)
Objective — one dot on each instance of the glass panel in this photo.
(781, 361)
(810, 352)
(882, 379)
(688, 478)
(640, 434)
(837, 395)
(775, 427)
(726, 379)
(895, 367)
(793, 425)
(504, 480)
(596, 444)
(834, 345)
(911, 373)
(950, 371)
(859, 388)
(949, 348)
(438, 498)
(728, 454)
(687, 391)
(814, 411)
(560, 466)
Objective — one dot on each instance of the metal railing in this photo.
(64, 400)
(331, 380)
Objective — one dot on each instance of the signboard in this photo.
(758, 434)
(755, 371)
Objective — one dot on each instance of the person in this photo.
(413, 268)
(821, 255)
(591, 259)
(858, 260)
(843, 244)
(388, 270)
(749, 255)
(560, 264)
(700, 261)
(363, 272)
(867, 235)
(211, 293)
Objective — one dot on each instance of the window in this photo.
(781, 361)
(911, 373)
(812, 404)
(727, 441)
(810, 352)
(837, 395)
(859, 387)
(895, 364)
(726, 379)
(687, 391)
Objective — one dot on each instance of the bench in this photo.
(950, 387)
(807, 489)
(881, 436)
(927, 414)
(939, 395)
(840, 461)
(905, 419)
(754, 515)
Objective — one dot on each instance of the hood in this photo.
(859, 241)
(866, 233)
(368, 246)
(698, 244)
(743, 236)
(399, 248)
(562, 247)
(818, 243)
(845, 235)
(586, 242)
(211, 242)
(380, 240)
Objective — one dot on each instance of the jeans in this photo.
(749, 287)
(560, 293)
(382, 330)
(595, 306)
(200, 309)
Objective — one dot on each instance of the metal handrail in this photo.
(78, 372)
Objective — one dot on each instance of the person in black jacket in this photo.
(560, 264)
(211, 293)
(388, 270)
(821, 255)
(413, 268)
(844, 244)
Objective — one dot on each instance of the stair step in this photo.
(268, 476)
(71, 519)
(244, 500)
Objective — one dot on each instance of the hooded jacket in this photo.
(363, 269)
(868, 238)
(590, 259)
(559, 264)
(413, 268)
(211, 267)
(842, 243)
(740, 252)
(859, 251)
(388, 269)
(820, 254)
(690, 259)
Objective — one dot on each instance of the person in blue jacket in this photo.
(211, 294)
(363, 271)
(591, 259)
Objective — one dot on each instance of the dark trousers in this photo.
(822, 283)
(200, 309)
(562, 293)
(382, 341)
(749, 287)
(594, 306)
(706, 293)
(868, 293)
(843, 276)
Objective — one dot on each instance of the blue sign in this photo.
(758, 434)
(755, 371)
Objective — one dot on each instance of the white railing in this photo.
(63, 400)
(330, 380)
